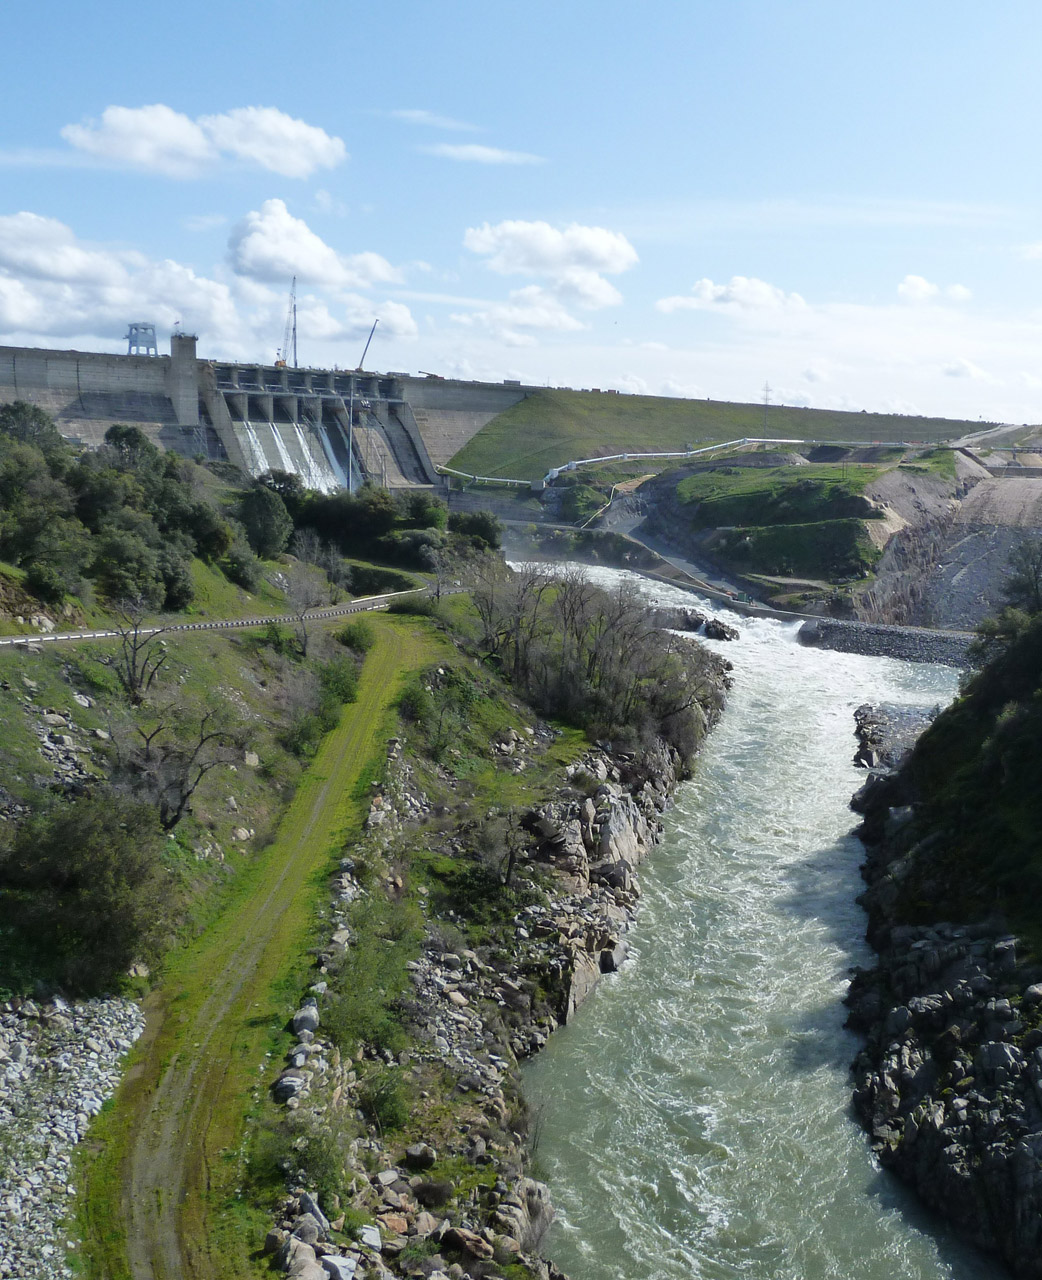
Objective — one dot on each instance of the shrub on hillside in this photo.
(84, 891)
(358, 634)
(419, 603)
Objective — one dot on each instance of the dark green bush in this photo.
(419, 604)
(385, 1099)
(84, 892)
(368, 581)
(241, 566)
(339, 679)
(358, 634)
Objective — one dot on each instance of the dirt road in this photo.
(182, 1102)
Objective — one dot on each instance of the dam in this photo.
(334, 428)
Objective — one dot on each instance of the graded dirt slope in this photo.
(160, 1200)
(1013, 502)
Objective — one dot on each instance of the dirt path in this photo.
(182, 1102)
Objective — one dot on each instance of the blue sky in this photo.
(840, 198)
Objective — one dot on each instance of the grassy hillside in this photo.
(776, 495)
(796, 521)
(553, 427)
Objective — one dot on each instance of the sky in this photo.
(840, 200)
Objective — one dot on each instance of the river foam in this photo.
(695, 1116)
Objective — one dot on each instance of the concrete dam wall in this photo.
(333, 428)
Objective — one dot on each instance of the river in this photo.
(694, 1118)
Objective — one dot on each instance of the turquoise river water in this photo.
(694, 1118)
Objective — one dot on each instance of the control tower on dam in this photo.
(334, 428)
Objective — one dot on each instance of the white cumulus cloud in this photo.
(53, 284)
(537, 248)
(573, 260)
(513, 322)
(162, 140)
(741, 293)
(271, 244)
(962, 368)
(153, 137)
(46, 249)
(917, 289)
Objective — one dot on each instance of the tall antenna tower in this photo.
(766, 402)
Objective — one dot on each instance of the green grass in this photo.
(272, 927)
(827, 549)
(777, 495)
(550, 428)
(216, 597)
(938, 462)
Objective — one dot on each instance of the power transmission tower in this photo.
(766, 402)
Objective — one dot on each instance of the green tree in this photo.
(212, 535)
(422, 510)
(377, 511)
(127, 568)
(85, 892)
(30, 424)
(289, 486)
(266, 521)
(1023, 586)
(482, 527)
(132, 447)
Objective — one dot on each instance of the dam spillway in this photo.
(334, 428)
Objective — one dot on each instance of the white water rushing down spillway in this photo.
(694, 1118)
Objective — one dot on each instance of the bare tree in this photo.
(142, 653)
(304, 591)
(306, 545)
(164, 762)
(338, 571)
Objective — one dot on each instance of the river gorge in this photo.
(694, 1118)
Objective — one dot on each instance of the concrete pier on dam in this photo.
(334, 428)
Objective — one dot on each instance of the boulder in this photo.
(717, 630)
(309, 1205)
(306, 1018)
(287, 1086)
(420, 1156)
(467, 1242)
(298, 1260)
(338, 1267)
(307, 1229)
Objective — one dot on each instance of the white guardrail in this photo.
(565, 467)
(364, 604)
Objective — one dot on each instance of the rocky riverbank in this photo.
(913, 644)
(59, 1062)
(459, 1202)
(949, 1084)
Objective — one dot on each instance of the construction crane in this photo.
(367, 342)
(290, 332)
